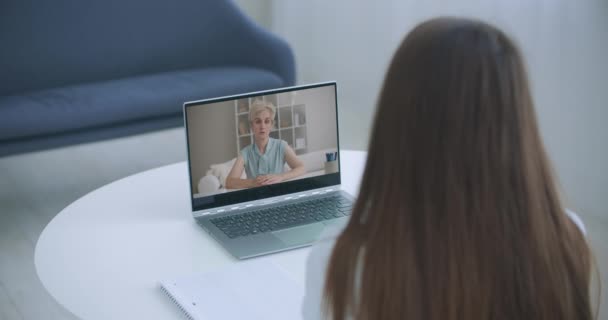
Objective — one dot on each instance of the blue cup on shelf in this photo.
(331, 156)
(331, 165)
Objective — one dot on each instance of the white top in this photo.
(316, 268)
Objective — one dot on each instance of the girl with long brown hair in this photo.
(458, 214)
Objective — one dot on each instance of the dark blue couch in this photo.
(78, 71)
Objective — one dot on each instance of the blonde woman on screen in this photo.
(263, 160)
(458, 214)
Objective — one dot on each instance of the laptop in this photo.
(264, 168)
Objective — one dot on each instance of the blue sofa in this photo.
(80, 71)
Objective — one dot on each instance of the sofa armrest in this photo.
(275, 54)
(247, 43)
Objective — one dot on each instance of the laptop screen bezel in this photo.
(263, 192)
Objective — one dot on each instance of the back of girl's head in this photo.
(458, 215)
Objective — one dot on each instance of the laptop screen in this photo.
(263, 144)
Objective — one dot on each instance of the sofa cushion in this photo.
(222, 170)
(208, 185)
(144, 97)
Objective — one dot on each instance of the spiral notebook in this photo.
(244, 290)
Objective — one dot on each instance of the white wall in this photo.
(211, 136)
(565, 43)
(320, 116)
(259, 10)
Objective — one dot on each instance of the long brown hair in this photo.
(458, 215)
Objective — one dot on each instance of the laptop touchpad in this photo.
(300, 235)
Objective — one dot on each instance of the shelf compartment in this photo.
(244, 141)
(287, 135)
(243, 128)
(285, 117)
(300, 138)
(299, 115)
(242, 105)
(272, 98)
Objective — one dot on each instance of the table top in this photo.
(102, 257)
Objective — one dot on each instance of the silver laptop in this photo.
(265, 168)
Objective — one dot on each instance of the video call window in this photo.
(262, 140)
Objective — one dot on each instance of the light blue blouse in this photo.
(271, 162)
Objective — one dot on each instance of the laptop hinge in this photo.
(267, 201)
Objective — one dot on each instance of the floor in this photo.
(35, 186)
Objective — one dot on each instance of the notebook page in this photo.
(252, 289)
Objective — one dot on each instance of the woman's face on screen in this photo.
(262, 124)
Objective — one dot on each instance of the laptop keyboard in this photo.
(283, 217)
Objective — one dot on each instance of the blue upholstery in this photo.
(78, 71)
(120, 101)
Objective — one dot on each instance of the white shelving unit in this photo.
(289, 123)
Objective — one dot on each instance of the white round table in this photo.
(103, 256)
